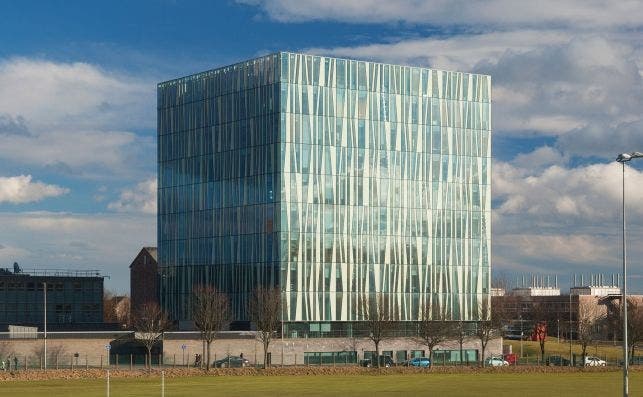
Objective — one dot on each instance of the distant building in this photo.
(74, 299)
(144, 279)
(535, 291)
(523, 307)
(596, 290)
(497, 291)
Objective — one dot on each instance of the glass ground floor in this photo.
(354, 329)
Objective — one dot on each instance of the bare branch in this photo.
(211, 314)
(149, 322)
(264, 310)
(378, 314)
(432, 329)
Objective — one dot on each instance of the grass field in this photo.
(471, 384)
(610, 352)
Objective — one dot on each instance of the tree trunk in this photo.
(482, 349)
(207, 363)
(583, 353)
(265, 354)
(377, 354)
(149, 358)
(461, 351)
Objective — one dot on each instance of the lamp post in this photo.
(623, 158)
(521, 335)
(44, 290)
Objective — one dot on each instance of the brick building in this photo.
(144, 278)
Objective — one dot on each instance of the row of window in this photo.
(311, 248)
(378, 106)
(323, 131)
(371, 76)
(236, 106)
(313, 162)
(314, 101)
(328, 219)
(51, 286)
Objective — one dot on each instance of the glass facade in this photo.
(330, 178)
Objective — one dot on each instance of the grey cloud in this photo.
(588, 83)
(13, 125)
(603, 140)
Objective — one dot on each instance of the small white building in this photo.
(536, 291)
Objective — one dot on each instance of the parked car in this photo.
(423, 362)
(231, 362)
(496, 362)
(558, 361)
(385, 361)
(591, 361)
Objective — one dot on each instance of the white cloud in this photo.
(459, 52)
(558, 219)
(21, 189)
(583, 195)
(141, 198)
(578, 249)
(75, 118)
(497, 13)
(56, 95)
(540, 157)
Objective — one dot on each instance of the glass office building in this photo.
(331, 179)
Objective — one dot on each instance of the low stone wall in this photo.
(60, 352)
(79, 352)
(291, 351)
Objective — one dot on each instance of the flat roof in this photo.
(205, 73)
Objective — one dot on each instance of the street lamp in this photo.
(623, 158)
(521, 335)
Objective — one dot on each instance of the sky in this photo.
(78, 115)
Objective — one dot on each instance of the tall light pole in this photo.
(623, 158)
(44, 290)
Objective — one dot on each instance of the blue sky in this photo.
(77, 114)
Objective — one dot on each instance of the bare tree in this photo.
(211, 314)
(489, 326)
(459, 333)
(540, 315)
(116, 309)
(264, 309)
(149, 322)
(55, 352)
(109, 306)
(432, 329)
(589, 322)
(634, 324)
(378, 315)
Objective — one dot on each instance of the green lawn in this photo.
(487, 384)
(613, 353)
